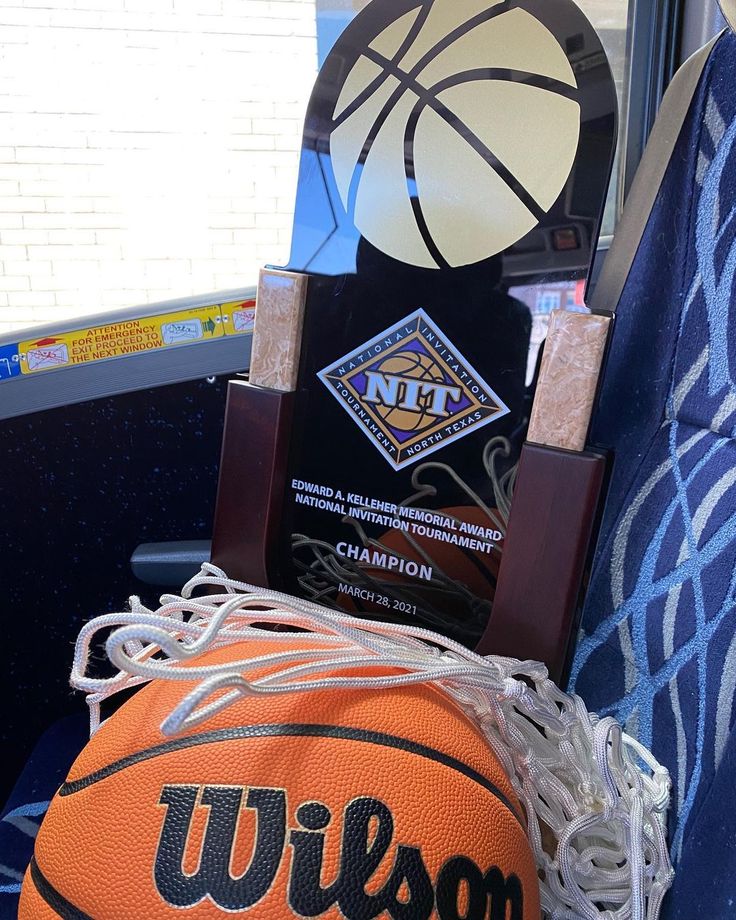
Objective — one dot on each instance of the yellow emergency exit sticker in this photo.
(239, 318)
(150, 333)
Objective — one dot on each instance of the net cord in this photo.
(595, 800)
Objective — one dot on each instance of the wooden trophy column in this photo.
(255, 448)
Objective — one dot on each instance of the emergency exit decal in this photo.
(151, 333)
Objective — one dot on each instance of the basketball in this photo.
(415, 366)
(455, 132)
(476, 570)
(359, 804)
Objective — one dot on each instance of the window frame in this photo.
(654, 30)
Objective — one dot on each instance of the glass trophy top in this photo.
(451, 132)
(454, 151)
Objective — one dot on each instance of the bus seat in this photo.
(658, 641)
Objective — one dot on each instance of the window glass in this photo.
(610, 18)
(149, 150)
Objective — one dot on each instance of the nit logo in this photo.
(411, 391)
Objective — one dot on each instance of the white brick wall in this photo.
(149, 148)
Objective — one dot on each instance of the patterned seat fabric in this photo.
(658, 647)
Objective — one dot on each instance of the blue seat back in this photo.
(658, 647)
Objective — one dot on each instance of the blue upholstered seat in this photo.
(658, 647)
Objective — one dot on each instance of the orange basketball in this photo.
(478, 571)
(358, 805)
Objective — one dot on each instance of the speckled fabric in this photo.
(80, 488)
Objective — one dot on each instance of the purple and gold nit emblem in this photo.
(411, 391)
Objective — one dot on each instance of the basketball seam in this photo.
(408, 82)
(416, 205)
(418, 434)
(376, 83)
(427, 98)
(293, 730)
(55, 899)
(470, 25)
(507, 75)
(416, 431)
(389, 65)
(482, 568)
(437, 48)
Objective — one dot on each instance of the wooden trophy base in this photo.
(252, 484)
(553, 521)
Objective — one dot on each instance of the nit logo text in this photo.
(411, 391)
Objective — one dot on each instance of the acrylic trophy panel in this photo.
(453, 149)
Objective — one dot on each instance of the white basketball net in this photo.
(594, 798)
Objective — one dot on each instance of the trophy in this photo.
(456, 157)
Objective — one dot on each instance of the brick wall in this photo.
(148, 148)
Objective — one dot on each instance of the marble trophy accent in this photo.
(277, 338)
(568, 379)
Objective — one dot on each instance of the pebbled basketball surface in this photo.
(357, 805)
(446, 142)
